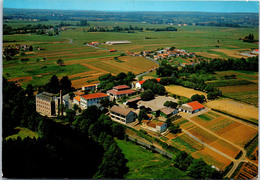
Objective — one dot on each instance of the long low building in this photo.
(119, 91)
(92, 99)
(118, 42)
(191, 107)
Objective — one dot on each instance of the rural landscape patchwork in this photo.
(125, 94)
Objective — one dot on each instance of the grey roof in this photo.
(167, 111)
(120, 110)
(46, 96)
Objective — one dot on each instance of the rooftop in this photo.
(46, 96)
(167, 111)
(195, 105)
(95, 95)
(121, 87)
(114, 92)
(120, 110)
(77, 98)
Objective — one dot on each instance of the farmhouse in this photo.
(191, 107)
(119, 91)
(255, 51)
(45, 104)
(167, 112)
(118, 42)
(89, 87)
(138, 84)
(92, 99)
(159, 127)
(112, 50)
(122, 114)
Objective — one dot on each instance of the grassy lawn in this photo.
(205, 117)
(144, 164)
(23, 133)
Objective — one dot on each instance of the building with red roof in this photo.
(159, 127)
(138, 84)
(255, 51)
(119, 91)
(92, 99)
(191, 107)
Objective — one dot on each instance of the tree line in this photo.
(162, 29)
(82, 149)
(171, 75)
(115, 29)
(108, 81)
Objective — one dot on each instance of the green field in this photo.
(191, 38)
(144, 164)
(205, 117)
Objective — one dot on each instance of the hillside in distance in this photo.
(190, 18)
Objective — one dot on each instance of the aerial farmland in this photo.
(131, 94)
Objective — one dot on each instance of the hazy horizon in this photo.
(141, 6)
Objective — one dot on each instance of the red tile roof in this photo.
(195, 105)
(89, 85)
(122, 87)
(160, 123)
(145, 121)
(256, 49)
(77, 98)
(95, 95)
(153, 125)
(114, 92)
(141, 82)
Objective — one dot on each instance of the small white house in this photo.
(159, 127)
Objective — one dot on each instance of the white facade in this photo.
(130, 117)
(85, 103)
(138, 85)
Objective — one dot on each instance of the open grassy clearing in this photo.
(235, 108)
(23, 133)
(144, 164)
(183, 91)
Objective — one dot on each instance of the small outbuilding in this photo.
(167, 112)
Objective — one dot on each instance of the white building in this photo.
(89, 87)
(122, 114)
(76, 100)
(119, 91)
(92, 99)
(118, 42)
(191, 107)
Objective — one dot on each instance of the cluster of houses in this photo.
(48, 104)
(164, 53)
(108, 43)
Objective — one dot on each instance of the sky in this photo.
(137, 5)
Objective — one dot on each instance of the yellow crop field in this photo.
(183, 91)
